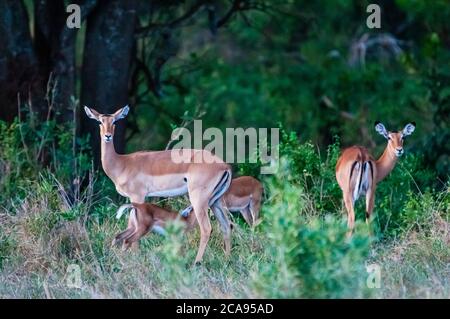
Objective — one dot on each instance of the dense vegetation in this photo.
(298, 250)
(290, 64)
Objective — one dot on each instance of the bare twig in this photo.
(185, 123)
(22, 138)
(49, 98)
(190, 13)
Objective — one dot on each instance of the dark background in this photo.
(312, 66)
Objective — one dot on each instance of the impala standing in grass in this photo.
(358, 173)
(203, 176)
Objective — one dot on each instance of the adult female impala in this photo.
(357, 172)
(244, 196)
(202, 175)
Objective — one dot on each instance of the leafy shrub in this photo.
(29, 147)
(311, 255)
(396, 194)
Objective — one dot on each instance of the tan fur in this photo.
(244, 196)
(356, 157)
(153, 173)
(144, 217)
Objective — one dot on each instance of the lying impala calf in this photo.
(358, 173)
(244, 195)
(145, 217)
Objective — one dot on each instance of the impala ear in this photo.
(409, 129)
(120, 114)
(379, 127)
(91, 113)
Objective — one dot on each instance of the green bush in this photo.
(312, 258)
(397, 193)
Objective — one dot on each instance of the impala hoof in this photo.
(185, 212)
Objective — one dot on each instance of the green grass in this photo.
(299, 250)
(292, 253)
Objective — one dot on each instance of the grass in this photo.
(41, 236)
(38, 244)
(50, 226)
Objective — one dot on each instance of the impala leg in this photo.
(191, 221)
(121, 236)
(133, 238)
(139, 199)
(255, 207)
(225, 226)
(370, 200)
(348, 201)
(200, 204)
(138, 234)
(248, 216)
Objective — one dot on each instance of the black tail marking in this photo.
(371, 170)
(353, 167)
(221, 188)
(361, 176)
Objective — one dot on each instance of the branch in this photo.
(185, 123)
(212, 19)
(236, 6)
(190, 13)
(150, 82)
(140, 66)
(144, 31)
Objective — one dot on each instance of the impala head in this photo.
(395, 138)
(107, 121)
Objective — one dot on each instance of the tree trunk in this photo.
(55, 46)
(106, 70)
(18, 63)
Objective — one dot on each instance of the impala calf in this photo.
(358, 173)
(144, 218)
(244, 195)
(205, 177)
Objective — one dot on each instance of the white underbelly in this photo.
(169, 192)
(236, 209)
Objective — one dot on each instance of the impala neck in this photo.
(385, 163)
(111, 162)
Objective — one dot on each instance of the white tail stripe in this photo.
(357, 171)
(362, 183)
(122, 210)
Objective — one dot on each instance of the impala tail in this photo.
(221, 187)
(122, 210)
(361, 176)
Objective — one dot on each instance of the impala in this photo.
(204, 177)
(244, 196)
(145, 217)
(358, 173)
